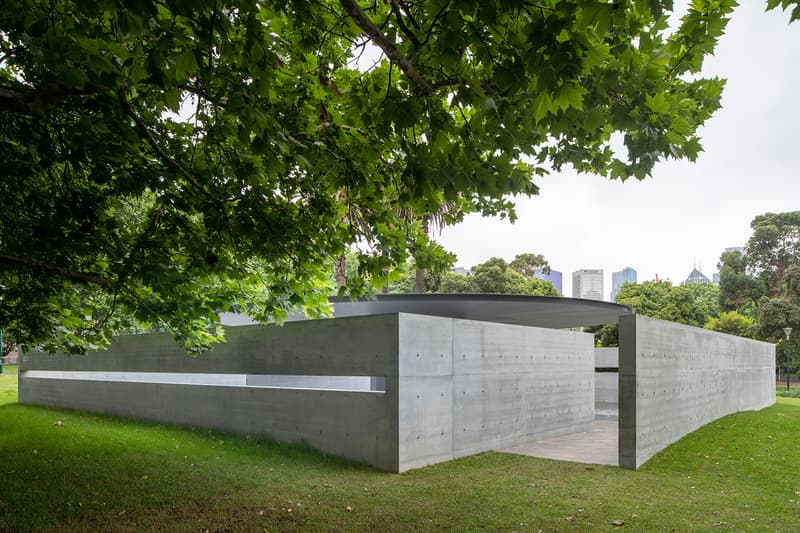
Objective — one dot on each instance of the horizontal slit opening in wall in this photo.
(606, 369)
(267, 381)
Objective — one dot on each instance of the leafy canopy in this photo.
(693, 304)
(733, 323)
(495, 276)
(167, 160)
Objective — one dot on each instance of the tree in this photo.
(738, 291)
(660, 299)
(773, 248)
(774, 314)
(495, 276)
(453, 283)
(765, 282)
(693, 304)
(786, 5)
(606, 335)
(706, 299)
(530, 264)
(733, 323)
(164, 161)
(407, 282)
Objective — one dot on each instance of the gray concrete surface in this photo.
(597, 445)
(606, 383)
(450, 387)
(358, 425)
(606, 357)
(469, 386)
(676, 378)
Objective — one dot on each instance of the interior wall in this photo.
(469, 386)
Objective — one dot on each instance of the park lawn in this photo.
(8, 385)
(64, 470)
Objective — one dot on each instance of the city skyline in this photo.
(556, 276)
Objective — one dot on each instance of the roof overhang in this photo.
(541, 311)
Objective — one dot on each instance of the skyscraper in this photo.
(625, 275)
(695, 276)
(739, 249)
(555, 277)
(588, 283)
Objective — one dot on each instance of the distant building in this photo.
(555, 277)
(588, 283)
(715, 278)
(696, 277)
(459, 270)
(739, 249)
(626, 275)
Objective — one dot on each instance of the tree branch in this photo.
(415, 51)
(145, 132)
(407, 9)
(82, 277)
(394, 55)
(402, 25)
(39, 102)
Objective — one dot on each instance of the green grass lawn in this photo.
(8, 386)
(69, 471)
(794, 390)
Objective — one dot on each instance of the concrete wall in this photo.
(469, 386)
(606, 382)
(358, 425)
(451, 387)
(676, 378)
(606, 357)
(12, 358)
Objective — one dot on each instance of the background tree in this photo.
(452, 283)
(246, 141)
(693, 304)
(738, 290)
(764, 283)
(773, 248)
(407, 282)
(529, 264)
(732, 322)
(684, 304)
(495, 276)
(706, 300)
(606, 335)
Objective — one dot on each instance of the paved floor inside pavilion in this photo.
(597, 446)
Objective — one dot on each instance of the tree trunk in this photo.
(341, 269)
(419, 281)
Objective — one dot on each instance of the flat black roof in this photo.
(542, 311)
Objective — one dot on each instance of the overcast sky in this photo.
(686, 213)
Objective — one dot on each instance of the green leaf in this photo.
(185, 64)
(657, 103)
(542, 105)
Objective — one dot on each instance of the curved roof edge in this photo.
(541, 311)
